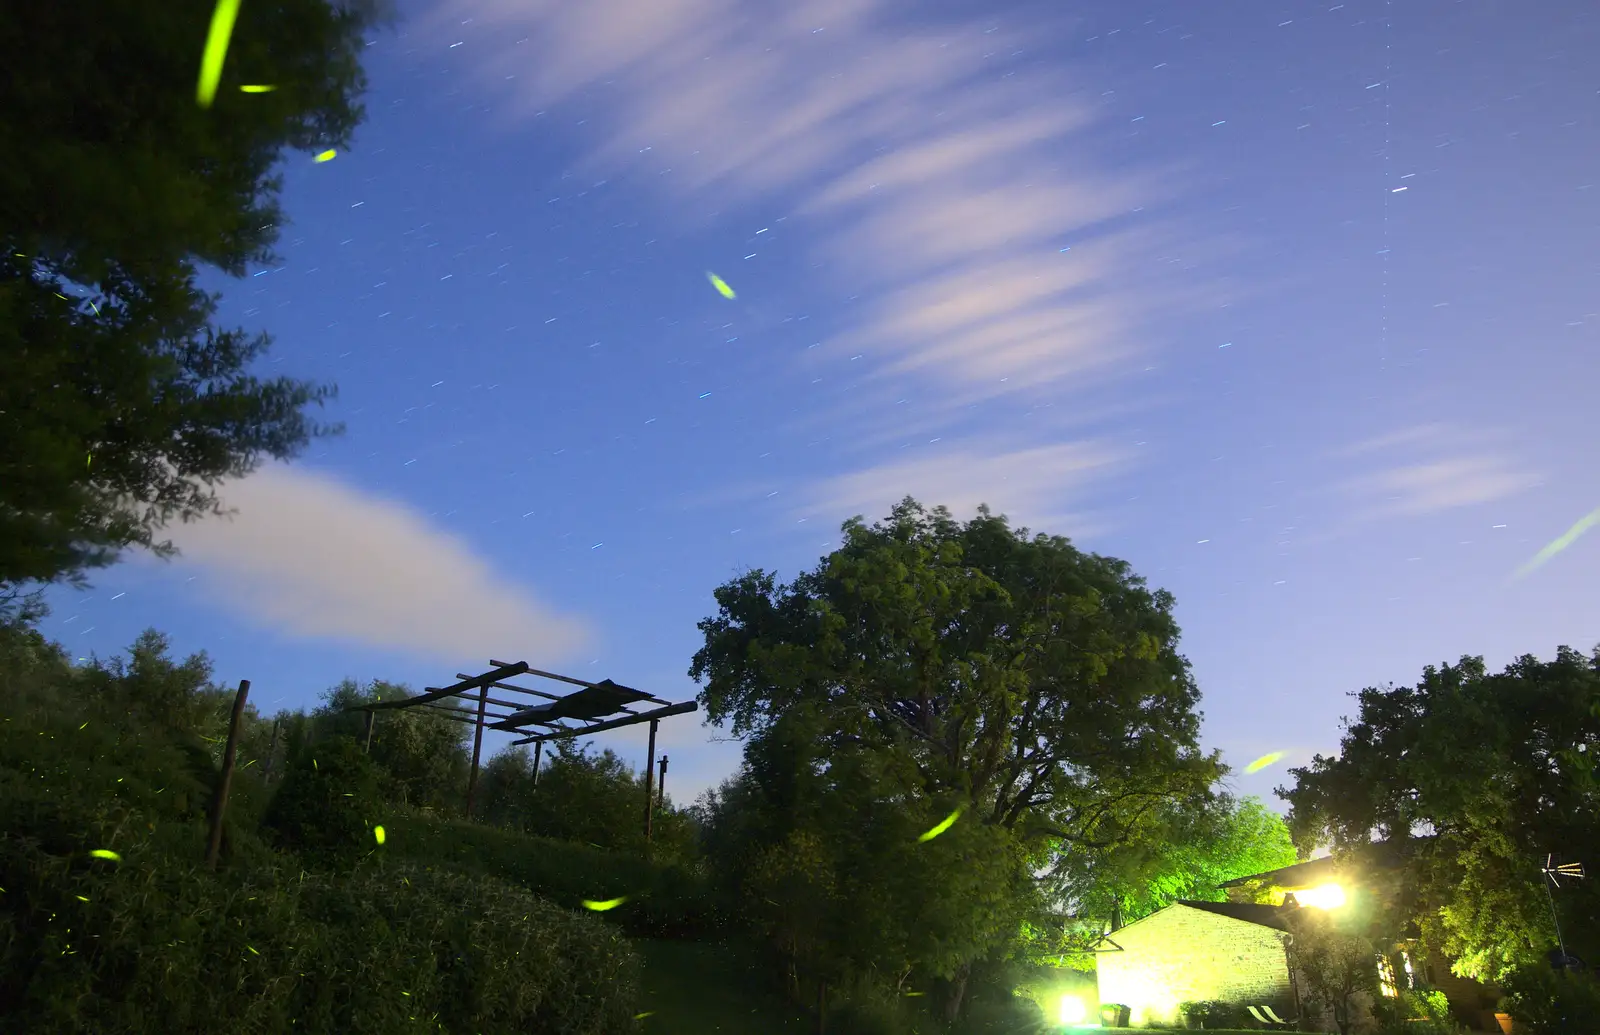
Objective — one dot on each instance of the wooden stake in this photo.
(661, 785)
(219, 803)
(538, 749)
(272, 750)
(371, 718)
(649, 783)
(477, 747)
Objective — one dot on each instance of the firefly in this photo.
(720, 284)
(327, 156)
(944, 825)
(1571, 535)
(1262, 762)
(222, 20)
(601, 907)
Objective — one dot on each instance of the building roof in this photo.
(1249, 912)
(1380, 857)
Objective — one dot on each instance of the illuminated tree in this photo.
(1186, 851)
(1480, 774)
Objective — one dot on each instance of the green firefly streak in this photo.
(1585, 523)
(720, 284)
(1262, 762)
(106, 853)
(222, 20)
(601, 907)
(946, 824)
(327, 156)
(267, 88)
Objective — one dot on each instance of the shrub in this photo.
(149, 940)
(328, 803)
(1003, 1013)
(1544, 1001)
(662, 900)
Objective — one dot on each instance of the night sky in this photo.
(1295, 307)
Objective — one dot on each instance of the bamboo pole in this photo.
(371, 718)
(219, 803)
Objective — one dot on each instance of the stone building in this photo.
(1197, 951)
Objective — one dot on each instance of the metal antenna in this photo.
(1553, 872)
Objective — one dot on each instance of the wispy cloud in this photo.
(1029, 486)
(925, 163)
(318, 558)
(1431, 468)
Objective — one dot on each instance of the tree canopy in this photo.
(1040, 685)
(928, 666)
(1187, 851)
(121, 404)
(1481, 775)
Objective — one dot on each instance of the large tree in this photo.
(1479, 776)
(1035, 686)
(121, 405)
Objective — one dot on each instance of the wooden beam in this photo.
(513, 686)
(570, 679)
(432, 694)
(599, 727)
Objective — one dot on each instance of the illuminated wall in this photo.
(1184, 953)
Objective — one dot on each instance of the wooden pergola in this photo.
(594, 709)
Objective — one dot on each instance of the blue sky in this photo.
(1293, 306)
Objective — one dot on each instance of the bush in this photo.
(1003, 1013)
(149, 940)
(1544, 1001)
(662, 900)
(870, 1017)
(327, 805)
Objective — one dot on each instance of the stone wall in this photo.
(1185, 954)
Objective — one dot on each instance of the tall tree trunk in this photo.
(955, 992)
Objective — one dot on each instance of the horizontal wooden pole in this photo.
(572, 680)
(600, 727)
(503, 672)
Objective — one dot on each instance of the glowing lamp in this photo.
(1328, 896)
(1072, 1010)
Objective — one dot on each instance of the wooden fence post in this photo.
(477, 747)
(649, 782)
(219, 803)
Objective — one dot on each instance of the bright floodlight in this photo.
(1072, 1009)
(1328, 896)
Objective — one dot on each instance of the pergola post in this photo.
(538, 749)
(477, 747)
(661, 784)
(649, 782)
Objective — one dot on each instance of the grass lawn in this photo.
(696, 988)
